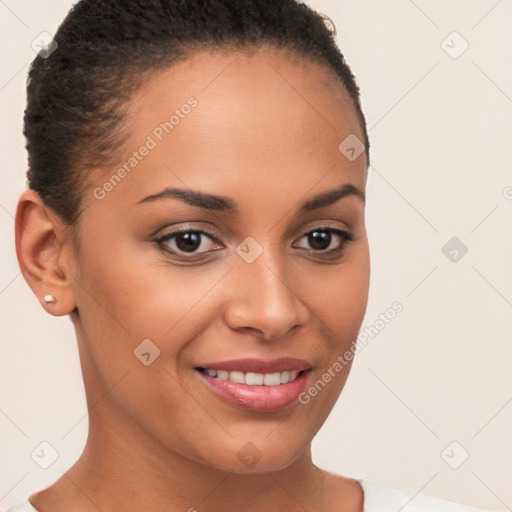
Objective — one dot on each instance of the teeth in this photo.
(237, 377)
(272, 379)
(254, 379)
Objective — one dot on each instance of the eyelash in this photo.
(345, 236)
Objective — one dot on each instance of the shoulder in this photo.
(23, 506)
(379, 498)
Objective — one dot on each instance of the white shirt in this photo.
(377, 498)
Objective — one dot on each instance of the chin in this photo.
(253, 458)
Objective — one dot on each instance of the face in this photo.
(220, 314)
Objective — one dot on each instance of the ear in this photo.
(45, 253)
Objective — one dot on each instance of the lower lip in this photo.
(258, 398)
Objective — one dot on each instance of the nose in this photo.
(263, 299)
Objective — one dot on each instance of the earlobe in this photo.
(43, 254)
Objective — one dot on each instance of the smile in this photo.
(257, 385)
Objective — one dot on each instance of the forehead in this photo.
(238, 93)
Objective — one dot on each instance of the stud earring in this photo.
(50, 299)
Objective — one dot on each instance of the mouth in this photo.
(256, 384)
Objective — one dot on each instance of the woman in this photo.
(196, 200)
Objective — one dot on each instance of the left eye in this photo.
(320, 239)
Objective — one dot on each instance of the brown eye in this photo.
(188, 241)
(320, 239)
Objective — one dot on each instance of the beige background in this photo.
(440, 129)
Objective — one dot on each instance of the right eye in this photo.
(187, 241)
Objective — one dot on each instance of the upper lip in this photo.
(256, 365)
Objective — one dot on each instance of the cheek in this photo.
(338, 295)
(125, 314)
(338, 299)
(128, 296)
(133, 289)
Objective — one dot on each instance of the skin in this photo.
(265, 133)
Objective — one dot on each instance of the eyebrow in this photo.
(225, 204)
